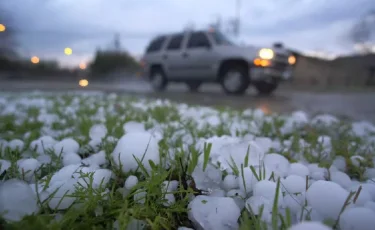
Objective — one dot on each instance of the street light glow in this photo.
(2, 28)
(83, 82)
(82, 66)
(68, 51)
(35, 60)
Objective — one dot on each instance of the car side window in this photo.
(198, 40)
(175, 42)
(156, 44)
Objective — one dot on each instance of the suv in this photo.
(196, 57)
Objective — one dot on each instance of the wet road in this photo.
(353, 105)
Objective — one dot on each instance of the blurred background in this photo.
(334, 40)
(66, 41)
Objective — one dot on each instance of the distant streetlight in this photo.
(83, 82)
(68, 51)
(2, 28)
(35, 60)
(82, 66)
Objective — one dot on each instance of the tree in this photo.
(7, 40)
(362, 33)
(108, 61)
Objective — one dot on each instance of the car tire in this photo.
(158, 79)
(265, 88)
(193, 85)
(234, 79)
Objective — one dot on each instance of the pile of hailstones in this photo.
(220, 208)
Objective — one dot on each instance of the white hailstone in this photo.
(369, 173)
(340, 163)
(218, 213)
(140, 145)
(308, 213)
(327, 198)
(112, 139)
(170, 186)
(264, 142)
(299, 170)
(230, 182)
(324, 120)
(356, 160)
(97, 159)
(133, 126)
(316, 172)
(16, 144)
(71, 159)
(44, 159)
(310, 225)
(67, 145)
(255, 203)
(130, 182)
(101, 178)
(169, 199)
(4, 165)
(363, 196)
(209, 179)
(370, 205)
(98, 132)
(140, 196)
(357, 218)
(294, 184)
(43, 144)
(248, 180)
(341, 178)
(370, 188)
(267, 189)
(27, 168)
(294, 202)
(17, 200)
(60, 200)
(218, 193)
(277, 163)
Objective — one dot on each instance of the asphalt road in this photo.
(352, 105)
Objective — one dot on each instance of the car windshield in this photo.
(221, 39)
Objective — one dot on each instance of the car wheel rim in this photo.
(157, 80)
(233, 81)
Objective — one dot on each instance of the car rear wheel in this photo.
(266, 88)
(193, 85)
(158, 79)
(235, 79)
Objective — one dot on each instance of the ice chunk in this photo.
(17, 199)
(96, 159)
(341, 179)
(98, 132)
(133, 126)
(214, 213)
(277, 163)
(207, 180)
(230, 182)
(294, 184)
(4, 165)
(310, 225)
(327, 198)
(357, 218)
(140, 145)
(67, 145)
(27, 168)
(16, 144)
(130, 182)
(299, 170)
(71, 159)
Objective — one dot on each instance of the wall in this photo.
(347, 71)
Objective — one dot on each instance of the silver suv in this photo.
(197, 57)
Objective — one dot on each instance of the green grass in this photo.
(106, 206)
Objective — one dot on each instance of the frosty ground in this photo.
(104, 161)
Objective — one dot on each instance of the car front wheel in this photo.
(235, 79)
(158, 79)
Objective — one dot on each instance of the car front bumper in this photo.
(270, 74)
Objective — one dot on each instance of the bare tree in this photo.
(7, 42)
(363, 31)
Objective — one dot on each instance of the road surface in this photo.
(353, 105)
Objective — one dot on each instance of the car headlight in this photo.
(292, 60)
(266, 53)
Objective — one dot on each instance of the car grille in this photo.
(280, 65)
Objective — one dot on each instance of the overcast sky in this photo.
(46, 27)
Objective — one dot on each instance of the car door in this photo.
(172, 57)
(199, 56)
